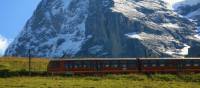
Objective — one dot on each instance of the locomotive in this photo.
(124, 65)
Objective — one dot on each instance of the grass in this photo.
(21, 64)
(92, 82)
(107, 81)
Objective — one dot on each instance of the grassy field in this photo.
(107, 81)
(119, 81)
(22, 64)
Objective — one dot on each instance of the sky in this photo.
(13, 16)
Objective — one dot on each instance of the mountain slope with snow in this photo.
(190, 9)
(105, 28)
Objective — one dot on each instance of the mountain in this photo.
(105, 28)
(190, 9)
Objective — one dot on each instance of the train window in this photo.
(170, 63)
(153, 65)
(114, 64)
(67, 65)
(162, 65)
(55, 64)
(86, 64)
(131, 64)
(196, 65)
(77, 64)
(148, 63)
(71, 65)
(106, 64)
(145, 63)
(123, 64)
(188, 65)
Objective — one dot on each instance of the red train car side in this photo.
(123, 65)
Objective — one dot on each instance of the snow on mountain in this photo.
(174, 4)
(4, 42)
(183, 51)
(190, 9)
(171, 4)
(133, 35)
(186, 2)
(170, 25)
(105, 28)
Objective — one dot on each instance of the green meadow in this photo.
(13, 75)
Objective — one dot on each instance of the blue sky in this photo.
(13, 16)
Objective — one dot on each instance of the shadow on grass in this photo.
(7, 73)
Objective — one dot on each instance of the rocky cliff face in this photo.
(105, 28)
(190, 9)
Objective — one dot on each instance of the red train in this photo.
(123, 66)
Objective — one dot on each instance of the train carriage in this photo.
(123, 65)
(191, 65)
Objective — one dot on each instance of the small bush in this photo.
(4, 73)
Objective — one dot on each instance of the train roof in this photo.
(53, 59)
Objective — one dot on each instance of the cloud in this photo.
(4, 42)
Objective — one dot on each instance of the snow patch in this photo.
(170, 25)
(197, 36)
(185, 50)
(171, 4)
(182, 52)
(133, 35)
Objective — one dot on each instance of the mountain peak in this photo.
(104, 28)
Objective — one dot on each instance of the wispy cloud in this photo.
(4, 42)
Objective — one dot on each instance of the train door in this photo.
(139, 65)
(98, 66)
(69, 65)
(196, 65)
(179, 66)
